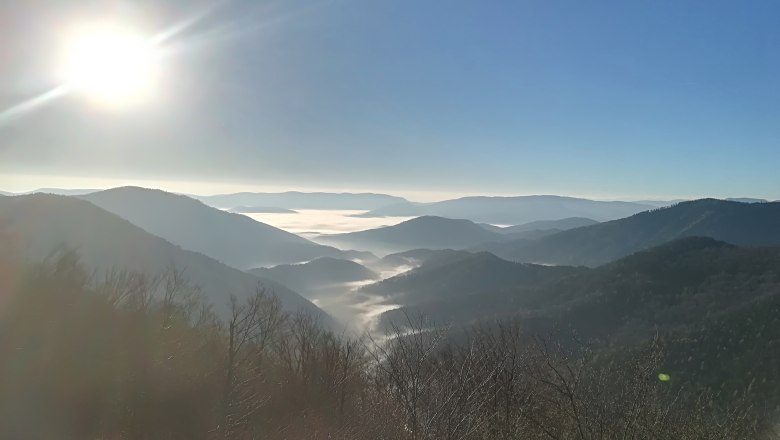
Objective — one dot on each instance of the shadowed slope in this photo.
(38, 224)
(316, 274)
(745, 224)
(234, 239)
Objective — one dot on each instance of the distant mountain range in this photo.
(310, 278)
(234, 239)
(61, 191)
(514, 210)
(748, 224)
(427, 232)
(302, 200)
(747, 200)
(261, 209)
(36, 225)
(660, 203)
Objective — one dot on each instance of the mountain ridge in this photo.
(261, 210)
(739, 223)
(431, 232)
(662, 273)
(560, 224)
(38, 224)
(302, 200)
(514, 209)
(234, 239)
(444, 277)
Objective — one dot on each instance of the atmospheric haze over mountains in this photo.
(389, 219)
(340, 245)
(625, 272)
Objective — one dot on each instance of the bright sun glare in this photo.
(110, 64)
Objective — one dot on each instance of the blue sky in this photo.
(595, 98)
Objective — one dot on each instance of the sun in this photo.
(110, 64)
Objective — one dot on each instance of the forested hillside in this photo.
(714, 305)
(746, 224)
(104, 360)
(448, 276)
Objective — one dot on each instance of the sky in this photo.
(603, 99)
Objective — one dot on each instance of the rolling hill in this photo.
(713, 306)
(423, 232)
(647, 283)
(312, 277)
(414, 257)
(38, 224)
(746, 224)
(454, 274)
(234, 239)
(514, 210)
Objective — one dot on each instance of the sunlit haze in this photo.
(390, 219)
(109, 63)
(630, 100)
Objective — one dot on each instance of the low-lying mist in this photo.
(311, 223)
(357, 310)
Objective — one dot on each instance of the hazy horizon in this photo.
(389, 219)
(23, 184)
(428, 100)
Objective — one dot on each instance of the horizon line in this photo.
(206, 188)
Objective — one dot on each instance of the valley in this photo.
(692, 277)
(389, 220)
